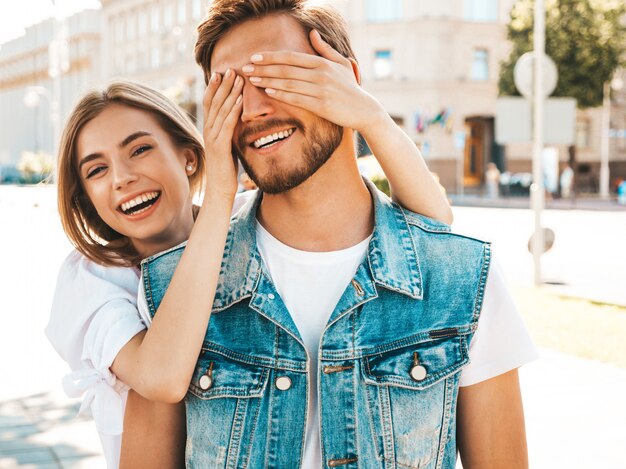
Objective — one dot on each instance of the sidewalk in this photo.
(579, 203)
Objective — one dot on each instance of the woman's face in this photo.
(136, 177)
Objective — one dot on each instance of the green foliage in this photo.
(382, 184)
(35, 167)
(585, 38)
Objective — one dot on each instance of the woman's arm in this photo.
(154, 434)
(158, 363)
(328, 85)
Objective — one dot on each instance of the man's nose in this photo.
(122, 175)
(256, 103)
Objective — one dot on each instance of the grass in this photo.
(574, 326)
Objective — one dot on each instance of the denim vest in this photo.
(390, 354)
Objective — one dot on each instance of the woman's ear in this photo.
(191, 161)
(356, 70)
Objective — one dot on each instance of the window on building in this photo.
(154, 18)
(481, 10)
(480, 65)
(383, 64)
(168, 16)
(379, 11)
(131, 28)
(181, 15)
(197, 8)
(142, 23)
(583, 131)
(155, 58)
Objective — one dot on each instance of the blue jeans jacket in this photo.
(390, 354)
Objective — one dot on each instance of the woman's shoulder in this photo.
(78, 268)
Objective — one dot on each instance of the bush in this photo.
(382, 184)
(35, 167)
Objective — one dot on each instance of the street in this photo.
(575, 408)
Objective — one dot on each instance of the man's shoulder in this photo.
(421, 224)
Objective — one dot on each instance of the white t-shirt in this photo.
(312, 283)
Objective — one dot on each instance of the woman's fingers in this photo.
(284, 57)
(308, 103)
(324, 49)
(231, 106)
(209, 92)
(220, 95)
(294, 86)
(292, 72)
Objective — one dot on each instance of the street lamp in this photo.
(615, 84)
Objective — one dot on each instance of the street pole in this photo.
(537, 189)
(604, 146)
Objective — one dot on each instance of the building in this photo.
(152, 41)
(435, 67)
(26, 62)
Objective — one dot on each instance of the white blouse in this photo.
(94, 314)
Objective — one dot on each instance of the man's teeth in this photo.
(272, 138)
(138, 200)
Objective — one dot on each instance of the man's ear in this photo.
(356, 70)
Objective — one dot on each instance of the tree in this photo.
(585, 38)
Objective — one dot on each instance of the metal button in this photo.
(271, 296)
(418, 373)
(205, 382)
(283, 383)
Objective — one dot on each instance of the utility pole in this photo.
(537, 193)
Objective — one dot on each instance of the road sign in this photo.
(523, 75)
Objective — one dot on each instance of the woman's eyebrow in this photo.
(133, 136)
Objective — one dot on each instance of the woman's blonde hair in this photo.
(81, 223)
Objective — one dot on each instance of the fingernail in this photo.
(229, 73)
(256, 58)
(214, 77)
(255, 79)
(238, 80)
(270, 91)
(239, 98)
(247, 68)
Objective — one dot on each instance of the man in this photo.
(341, 327)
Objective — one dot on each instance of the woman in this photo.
(130, 163)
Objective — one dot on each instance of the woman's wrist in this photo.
(376, 116)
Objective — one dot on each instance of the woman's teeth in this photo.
(269, 139)
(139, 203)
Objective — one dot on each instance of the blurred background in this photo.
(449, 73)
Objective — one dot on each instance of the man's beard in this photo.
(321, 139)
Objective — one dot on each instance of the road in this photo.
(575, 408)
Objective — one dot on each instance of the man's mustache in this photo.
(261, 127)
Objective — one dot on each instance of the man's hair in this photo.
(81, 223)
(224, 14)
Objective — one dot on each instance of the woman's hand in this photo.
(327, 85)
(222, 108)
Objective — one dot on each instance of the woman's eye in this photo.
(94, 171)
(141, 149)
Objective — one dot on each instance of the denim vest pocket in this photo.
(219, 376)
(411, 395)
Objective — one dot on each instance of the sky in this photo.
(16, 15)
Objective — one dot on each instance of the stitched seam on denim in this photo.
(478, 301)
(250, 436)
(251, 306)
(235, 434)
(354, 394)
(253, 360)
(388, 434)
(268, 448)
(229, 391)
(443, 440)
(415, 339)
(244, 295)
(148, 260)
(148, 292)
(348, 311)
(370, 413)
(420, 283)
